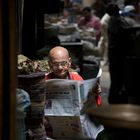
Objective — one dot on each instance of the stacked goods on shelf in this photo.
(27, 66)
(34, 84)
(31, 78)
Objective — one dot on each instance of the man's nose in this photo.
(60, 66)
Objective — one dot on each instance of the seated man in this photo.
(60, 64)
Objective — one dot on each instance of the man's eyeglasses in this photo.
(57, 64)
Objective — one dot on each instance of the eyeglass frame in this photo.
(57, 64)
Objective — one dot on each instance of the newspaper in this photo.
(64, 102)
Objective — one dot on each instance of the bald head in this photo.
(59, 62)
(58, 52)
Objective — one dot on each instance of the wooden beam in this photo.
(8, 68)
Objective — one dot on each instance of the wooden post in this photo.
(8, 64)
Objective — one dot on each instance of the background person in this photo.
(129, 14)
(119, 43)
(89, 20)
(103, 42)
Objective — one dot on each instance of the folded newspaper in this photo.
(64, 102)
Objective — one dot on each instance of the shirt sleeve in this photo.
(75, 76)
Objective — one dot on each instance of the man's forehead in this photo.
(60, 59)
(59, 56)
(59, 53)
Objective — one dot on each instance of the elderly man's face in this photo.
(60, 66)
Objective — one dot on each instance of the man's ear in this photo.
(49, 63)
(70, 61)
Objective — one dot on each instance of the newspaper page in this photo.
(64, 101)
(87, 87)
(62, 97)
(62, 109)
(90, 128)
(64, 127)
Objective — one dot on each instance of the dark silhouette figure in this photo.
(118, 47)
